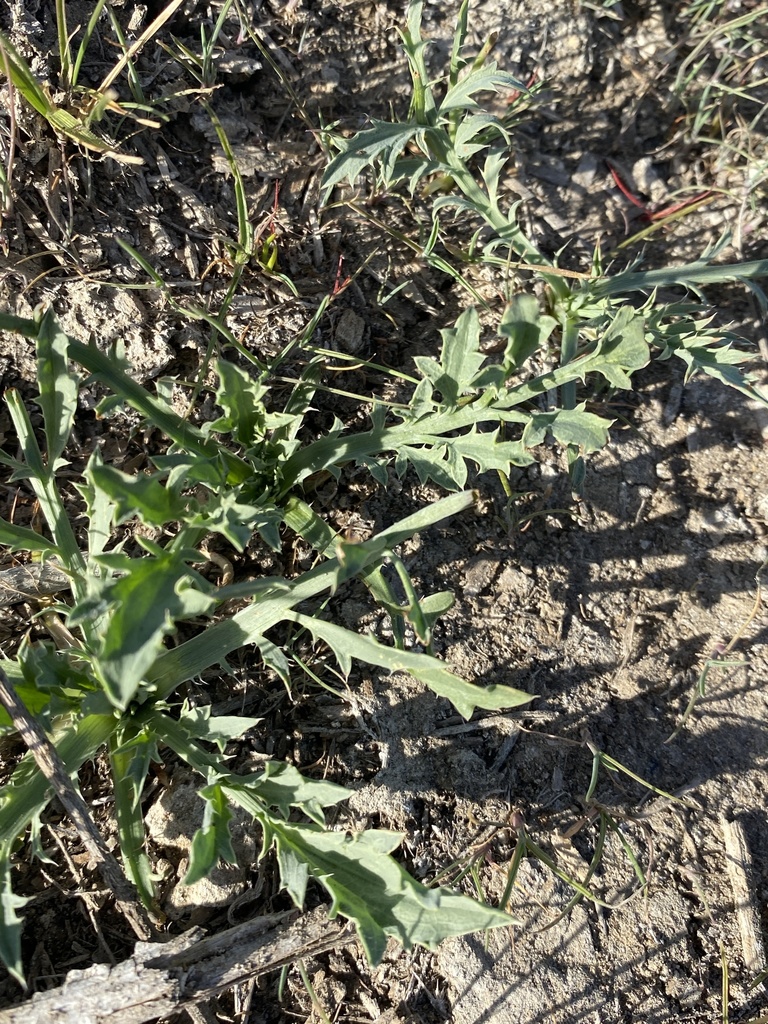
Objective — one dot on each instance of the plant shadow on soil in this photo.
(609, 621)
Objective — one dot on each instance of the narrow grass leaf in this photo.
(23, 80)
(691, 275)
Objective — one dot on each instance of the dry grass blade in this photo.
(150, 31)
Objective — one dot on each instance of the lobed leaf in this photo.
(282, 786)
(212, 842)
(384, 140)
(460, 358)
(242, 399)
(486, 78)
(464, 696)
(585, 430)
(140, 494)
(621, 350)
(219, 729)
(145, 604)
(721, 362)
(370, 888)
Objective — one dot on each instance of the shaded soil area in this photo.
(616, 610)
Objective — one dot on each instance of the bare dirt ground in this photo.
(609, 609)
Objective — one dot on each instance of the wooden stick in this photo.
(739, 864)
(159, 980)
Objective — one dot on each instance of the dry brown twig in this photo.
(160, 980)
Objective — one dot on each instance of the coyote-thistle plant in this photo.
(456, 153)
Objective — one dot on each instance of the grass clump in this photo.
(73, 109)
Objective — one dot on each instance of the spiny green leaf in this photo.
(219, 729)
(422, 99)
(384, 140)
(247, 626)
(464, 696)
(525, 328)
(242, 399)
(620, 351)
(486, 78)
(487, 452)
(720, 362)
(282, 786)
(371, 889)
(568, 426)
(274, 658)
(145, 603)
(431, 463)
(140, 495)
(226, 513)
(99, 510)
(212, 842)
(471, 127)
(460, 357)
